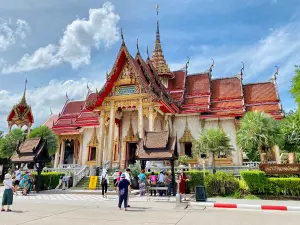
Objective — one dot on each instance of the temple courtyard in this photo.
(87, 209)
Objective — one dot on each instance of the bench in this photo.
(149, 188)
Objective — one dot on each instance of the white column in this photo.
(277, 154)
(56, 160)
(151, 122)
(101, 139)
(62, 152)
(140, 120)
(80, 151)
(111, 133)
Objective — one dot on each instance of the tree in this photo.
(9, 142)
(259, 131)
(290, 130)
(295, 89)
(45, 133)
(213, 142)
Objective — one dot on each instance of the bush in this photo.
(195, 177)
(48, 180)
(221, 184)
(258, 183)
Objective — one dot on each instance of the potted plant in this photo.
(135, 171)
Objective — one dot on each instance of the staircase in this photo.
(84, 184)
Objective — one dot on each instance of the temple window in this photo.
(92, 154)
(188, 149)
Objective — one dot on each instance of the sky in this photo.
(61, 46)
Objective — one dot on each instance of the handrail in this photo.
(78, 176)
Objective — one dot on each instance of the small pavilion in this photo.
(158, 146)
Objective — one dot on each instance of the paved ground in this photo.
(73, 209)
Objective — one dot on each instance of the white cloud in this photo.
(9, 35)
(280, 48)
(100, 29)
(43, 98)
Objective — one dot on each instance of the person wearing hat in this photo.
(123, 190)
(7, 199)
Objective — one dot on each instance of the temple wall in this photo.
(87, 135)
(179, 126)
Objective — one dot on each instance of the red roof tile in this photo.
(197, 84)
(260, 92)
(226, 88)
(198, 100)
(73, 107)
(178, 82)
(264, 108)
(52, 119)
(226, 104)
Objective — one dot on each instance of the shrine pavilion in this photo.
(142, 96)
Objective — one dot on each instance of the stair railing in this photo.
(78, 176)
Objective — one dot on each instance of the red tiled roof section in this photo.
(226, 104)
(264, 108)
(197, 84)
(197, 100)
(73, 107)
(260, 92)
(178, 82)
(226, 88)
(52, 119)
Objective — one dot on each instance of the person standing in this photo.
(7, 199)
(182, 184)
(142, 183)
(123, 190)
(18, 175)
(104, 182)
(127, 177)
(115, 177)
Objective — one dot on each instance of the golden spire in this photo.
(158, 58)
(137, 46)
(23, 100)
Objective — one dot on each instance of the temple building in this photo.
(145, 95)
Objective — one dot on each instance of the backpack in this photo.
(104, 180)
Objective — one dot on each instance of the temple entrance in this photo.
(188, 149)
(131, 153)
(69, 152)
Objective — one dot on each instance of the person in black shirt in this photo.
(123, 189)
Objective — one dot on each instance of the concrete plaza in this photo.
(41, 210)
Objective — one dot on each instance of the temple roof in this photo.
(21, 113)
(157, 146)
(31, 150)
(158, 58)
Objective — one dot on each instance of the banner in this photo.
(93, 182)
(284, 169)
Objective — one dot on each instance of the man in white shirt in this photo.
(18, 174)
(127, 177)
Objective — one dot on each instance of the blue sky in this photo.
(59, 46)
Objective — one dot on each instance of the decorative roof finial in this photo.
(122, 36)
(276, 73)
(51, 113)
(107, 75)
(242, 70)
(23, 100)
(212, 65)
(187, 63)
(67, 97)
(97, 92)
(148, 57)
(157, 24)
(137, 46)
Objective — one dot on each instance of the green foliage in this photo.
(46, 133)
(213, 142)
(221, 184)
(135, 168)
(295, 89)
(195, 177)
(8, 143)
(258, 183)
(184, 159)
(49, 180)
(258, 131)
(290, 130)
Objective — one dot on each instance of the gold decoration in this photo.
(187, 135)
(94, 140)
(126, 77)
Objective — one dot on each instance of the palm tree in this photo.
(258, 130)
(213, 142)
(9, 142)
(46, 133)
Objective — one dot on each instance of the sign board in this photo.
(284, 169)
(93, 182)
(1, 170)
(126, 90)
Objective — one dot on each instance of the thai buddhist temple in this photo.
(144, 95)
(21, 114)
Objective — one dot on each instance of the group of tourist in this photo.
(12, 183)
